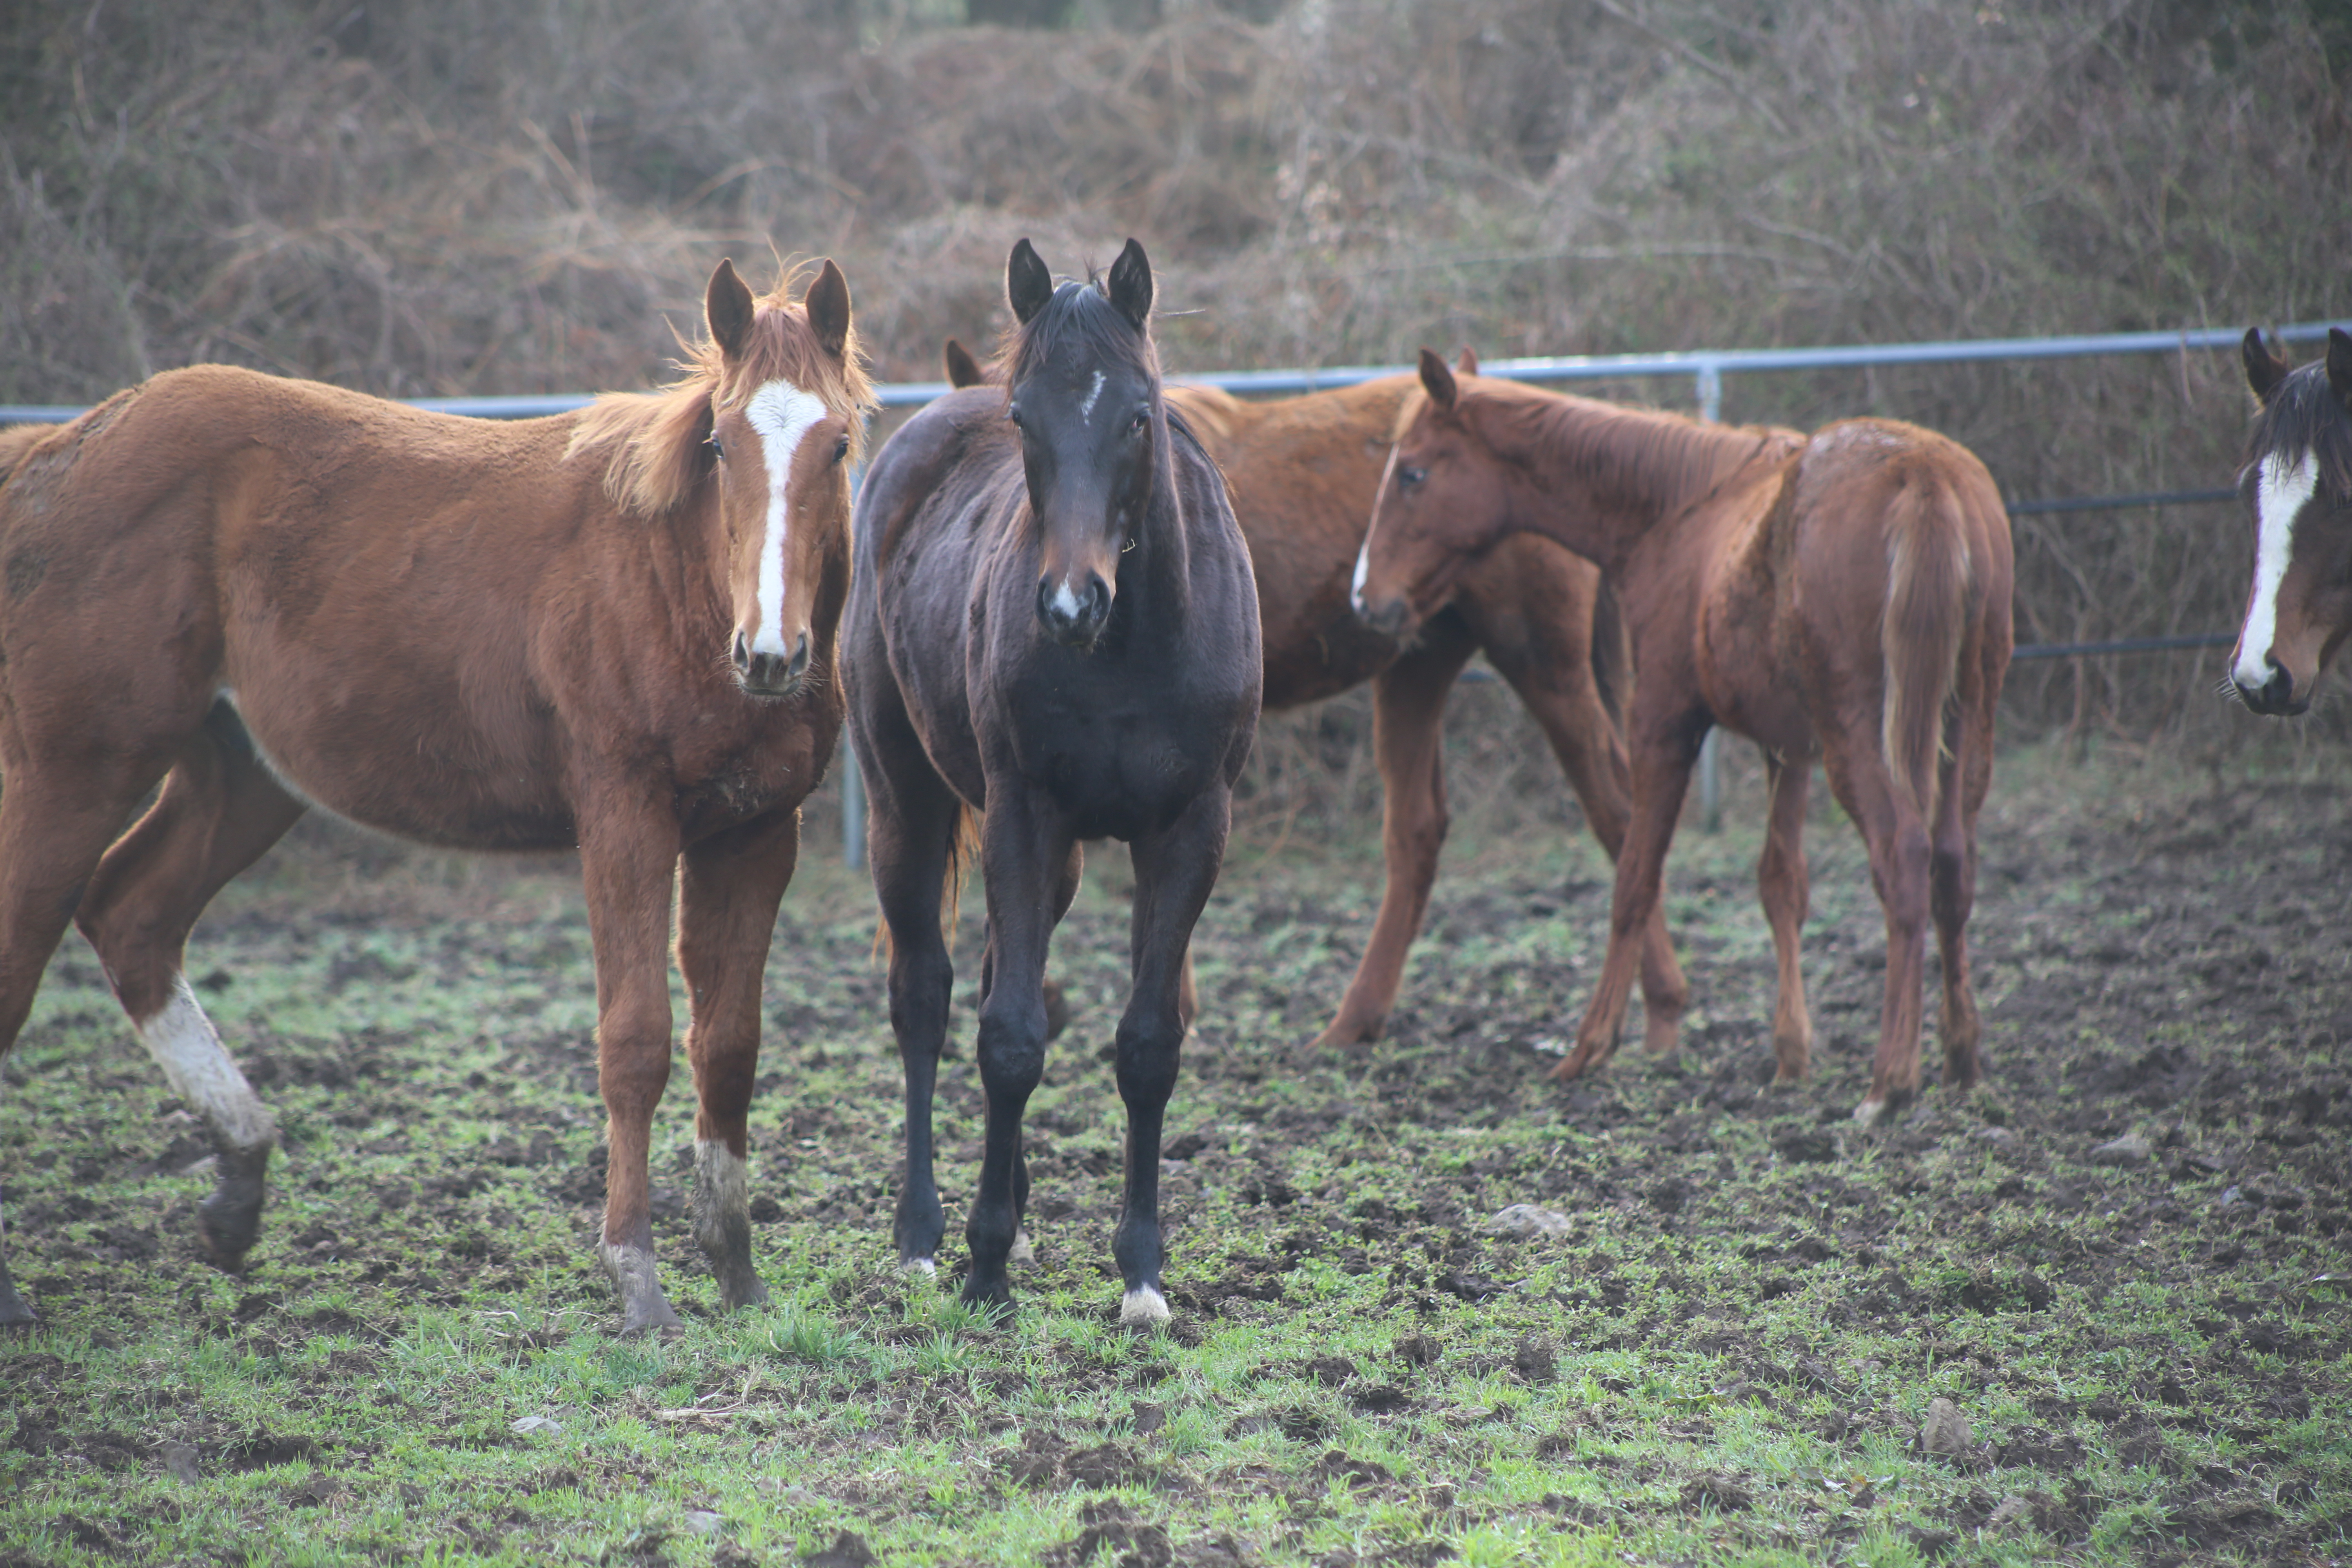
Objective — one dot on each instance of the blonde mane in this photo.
(655, 439)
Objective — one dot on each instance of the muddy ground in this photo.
(1729, 1355)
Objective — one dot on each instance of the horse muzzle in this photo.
(1073, 619)
(2274, 697)
(1390, 617)
(770, 674)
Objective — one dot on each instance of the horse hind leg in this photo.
(53, 832)
(219, 811)
(1953, 890)
(1897, 842)
(1785, 888)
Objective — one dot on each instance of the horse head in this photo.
(2297, 483)
(785, 414)
(1438, 508)
(1083, 390)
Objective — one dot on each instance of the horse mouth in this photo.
(770, 674)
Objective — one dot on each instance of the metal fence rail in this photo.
(1707, 369)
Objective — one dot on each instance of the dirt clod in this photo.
(848, 1551)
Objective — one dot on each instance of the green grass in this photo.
(1723, 1361)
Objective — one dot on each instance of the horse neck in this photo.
(1159, 566)
(1599, 480)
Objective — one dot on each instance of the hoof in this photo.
(1347, 1037)
(1870, 1112)
(1022, 1251)
(1784, 1079)
(919, 1268)
(229, 1218)
(644, 1308)
(1142, 1306)
(997, 1298)
(14, 1311)
(747, 1291)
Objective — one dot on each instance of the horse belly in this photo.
(442, 784)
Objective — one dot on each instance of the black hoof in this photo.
(14, 1312)
(227, 1221)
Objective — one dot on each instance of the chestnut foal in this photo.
(1844, 598)
(611, 629)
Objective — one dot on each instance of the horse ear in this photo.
(1467, 363)
(727, 306)
(827, 304)
(1131, 285)
(2339, 364)
(1436, 380)
(962, 368)
(2265, 370)
(1027, 284)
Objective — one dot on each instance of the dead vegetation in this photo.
(419, 196)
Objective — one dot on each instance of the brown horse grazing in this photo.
(1844, 597)
(611, 629)
(1303, 473)
(2297, 478)
(1051, 626)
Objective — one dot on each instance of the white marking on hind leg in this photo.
(1143, 1305)
(185, 1044)
(722, 1189)
(1022, 1251)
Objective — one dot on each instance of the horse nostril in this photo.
(798, 665)
(2279, 689)
(742, 652)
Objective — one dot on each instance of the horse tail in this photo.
(1928, 591)
(1613, 649)
(963, 844)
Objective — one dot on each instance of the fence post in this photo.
(1710, 779)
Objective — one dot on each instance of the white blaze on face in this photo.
(1086, 407)
(2279, 495)
(1364, 555)
(181, 1039)
(781, 414)
(1065, 603)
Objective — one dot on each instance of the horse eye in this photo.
(841, 448)
(1135, 426)
(718, 447)
(1013, 412)
(1411, 477)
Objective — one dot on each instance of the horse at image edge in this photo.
(611, 629)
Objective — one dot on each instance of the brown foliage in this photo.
(425, 196)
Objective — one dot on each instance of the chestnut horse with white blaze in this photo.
(2298, 480)
(1844, 596)
(612, 629)
(1052, 629)
(1302, 473)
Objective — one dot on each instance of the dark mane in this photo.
(2302, 417)
(655, 438)
(1081, 317)
(1648, 453)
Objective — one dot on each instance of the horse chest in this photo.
(1117, 768)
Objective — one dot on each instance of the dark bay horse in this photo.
(612, 629)
(1302, 473)
(1051, 628)
(1844, 596)
(2297, 481)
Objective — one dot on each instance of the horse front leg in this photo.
(1408, 722)
(1174, 871)
(628, 855)
(1663, 753)
(728, 889)
(1024, 850)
